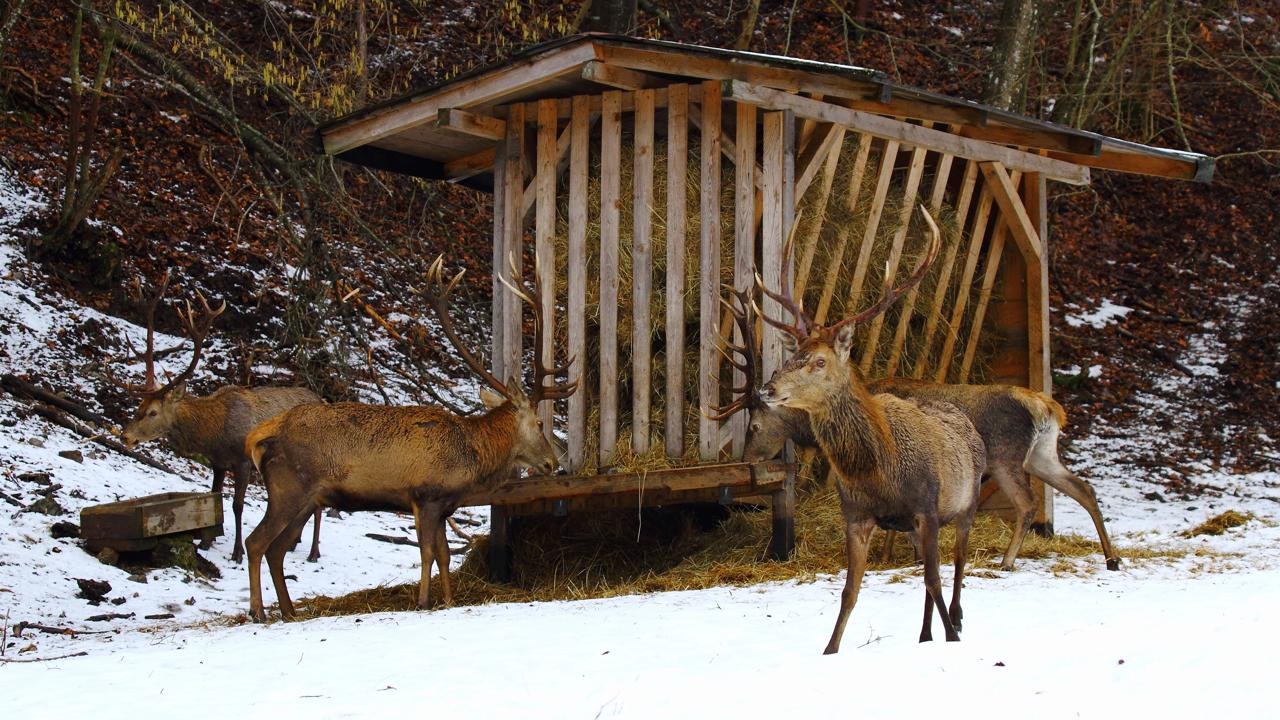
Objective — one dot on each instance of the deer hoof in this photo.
(1113, 563)
(831, 650)
(313, 557)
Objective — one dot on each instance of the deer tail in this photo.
(261, 439)
(1045, 412)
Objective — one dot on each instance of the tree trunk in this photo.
(1015, 47)
(610, 16)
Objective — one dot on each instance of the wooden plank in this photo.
(816, 156)
(497, 349)
(470, 165)
(920, 110)
(942, 173)
(749, 477)
(677, 204)
(967, 185)
(842, 241)
(561, 158)
(906, 133)
(984, 297)
(976, 235)
(1006, 196)
(513, 252)
(915, 171)
(610, 188)
(808, 245)
(1110, 158)
(473, 124)
(888, 158)
(545, 245)
(1035, 199)
(616, 76)
(642, 273)
(744, 246)
(709, 273)
(576, 263)
(1034, 138)
(490, 87)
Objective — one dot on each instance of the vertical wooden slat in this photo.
(914, 172)
(1035, 198)
(744, 243)
(709, 272)
(818, 213)
(851, 204)
(944, 273)
(980, 310)
(977, 232)
(513, 251)
(941, 174)
(777, 192)
(642, 272)
(497, 350)
(677, 202)
(610, 187)
(887, 159)
(545, 245)
(576, 263)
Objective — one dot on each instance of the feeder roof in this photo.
(446, 131)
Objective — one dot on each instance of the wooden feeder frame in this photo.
(518, 128)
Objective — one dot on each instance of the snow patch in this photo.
(1106, 312)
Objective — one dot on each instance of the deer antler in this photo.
(197, 330)
(440, 303)
(741, 309)
(891, 294)
(541, 391)
(803, 326)
(149, 382)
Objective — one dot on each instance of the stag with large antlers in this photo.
(423, 460)
(213, 426)
(902, 464)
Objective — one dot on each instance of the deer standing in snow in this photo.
(904, 465)
(353, 456)
(213, 426)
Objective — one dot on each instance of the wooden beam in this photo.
(677, 204)
(919, 110)
(744, 246)
(488, 88)
(815, 156)
(904, 132)
(749, 478)
(642, 271)
(709, 272)
(1034, 138)
(461, 168)
(474, 125)
(616, 76)
(545, 246)
(576, 267)
(1199, 169)
(513, 251)
(1035, 199)
(610, 190)
(1006, 196)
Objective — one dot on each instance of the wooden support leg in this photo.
(499, 544)
(783, 543)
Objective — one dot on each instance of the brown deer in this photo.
(213, 426)
(353, 456)
(903, 465)
(1019, 428)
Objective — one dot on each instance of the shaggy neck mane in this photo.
(197, 424)
(493, 439)
(854, 432)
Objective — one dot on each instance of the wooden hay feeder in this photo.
(139, 523)
(567, 136)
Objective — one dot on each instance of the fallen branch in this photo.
(49, 630)
(57, 418)
(393, 539)
(458, 531)
(82, 653)
(18, 388)
(107, 617)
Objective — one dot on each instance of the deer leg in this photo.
(927, 528)
(442, 562)
(259, 540)
(857, 538)
(926, 627)
(237, 507)
(1042, 461)
(315, 537)
(959, 555)
(219, 474)
(1016, 486)
(426, 516)
(278, 549)
(886, 550)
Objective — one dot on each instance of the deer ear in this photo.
(490, 398)
(179, 391)
(789, 342)
(843, 344)
(515, 392)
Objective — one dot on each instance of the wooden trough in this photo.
(139, 523)
(547, 131)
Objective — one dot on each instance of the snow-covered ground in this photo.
(1177, 637)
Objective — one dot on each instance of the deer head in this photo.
(158, 409)
(531, 447)
(819, 366)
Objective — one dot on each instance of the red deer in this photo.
(213, 426)
(353, 456)
(1019, 428)
(903, 465)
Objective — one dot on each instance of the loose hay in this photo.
(1219, 524)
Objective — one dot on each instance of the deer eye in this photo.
(820, 363)
(755, 427)
(151, 413)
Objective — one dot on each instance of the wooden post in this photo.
(610, 187)
(576, 263)
(677, 203)
(498, 548)
(778, 191)
(1035, 199)
(513, 241)
(709, 273)
(641, 272)
(744, 244)
(545, 246)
